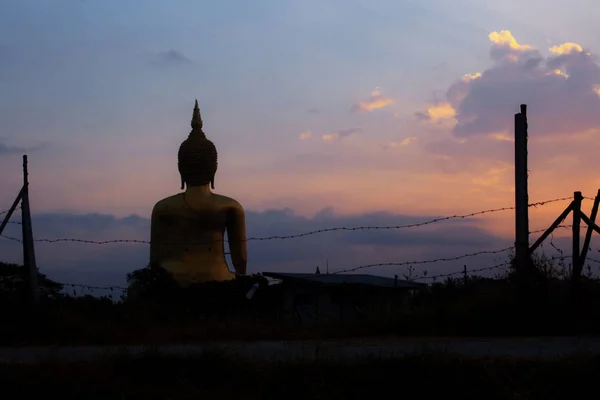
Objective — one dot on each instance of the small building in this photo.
(323, 298)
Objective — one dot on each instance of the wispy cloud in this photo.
(171, 58)
(437, 113)
(7, 150)
(404, 142)
(305, 135)
(330, 137)
(4, 149)
(374, 102)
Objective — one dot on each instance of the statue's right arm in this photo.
(236, 234)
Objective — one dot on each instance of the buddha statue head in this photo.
(197, 156)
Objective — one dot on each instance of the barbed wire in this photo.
(123, 289)
(434, 277)
(309, 233)
(562, 254)
(433, 261)
(11, 238)
(558, 227)
(390, 227)
(148, 242)
(6, 211)
(110, 288)
(423, 277)
(506, 263)
(492, 210)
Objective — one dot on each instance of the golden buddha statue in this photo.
(187, 229)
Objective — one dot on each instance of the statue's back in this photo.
(190, 242)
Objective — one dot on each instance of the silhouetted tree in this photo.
(13, 283)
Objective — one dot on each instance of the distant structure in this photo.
(310, 299)
(187, 229)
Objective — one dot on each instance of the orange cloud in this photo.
(566, 48)
(471, 77)
(559, 72)
(405, 142)
(374, 102)
(505, 48)
(330, 137)
(438, 113)
(502, 137)
(506, 39)
(305, 135)
(495, 177)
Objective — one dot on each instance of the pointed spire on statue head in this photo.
(197, 120)
(197, 156)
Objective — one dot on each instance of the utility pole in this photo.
(28, 249)
(521, 194)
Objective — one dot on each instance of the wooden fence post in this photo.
(554, 225)
(578, 197)
(588, 234)
(11, 211)
(521, 196)
(28, 248)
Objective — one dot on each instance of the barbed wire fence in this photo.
(423, 277)
(309, 233)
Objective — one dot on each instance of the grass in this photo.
(218, 376)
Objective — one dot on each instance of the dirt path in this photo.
(310, 350)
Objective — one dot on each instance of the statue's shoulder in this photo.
(228, 202)
(168, 203)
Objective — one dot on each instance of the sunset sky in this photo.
(325, 113)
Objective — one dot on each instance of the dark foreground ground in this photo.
(214, 376)
(348, 349)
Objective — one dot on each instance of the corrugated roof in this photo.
(340, 279)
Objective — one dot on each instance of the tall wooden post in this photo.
(28, 249)
(588, 234)
(575, 257)
(521, 193)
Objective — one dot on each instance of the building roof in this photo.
(341, 279)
